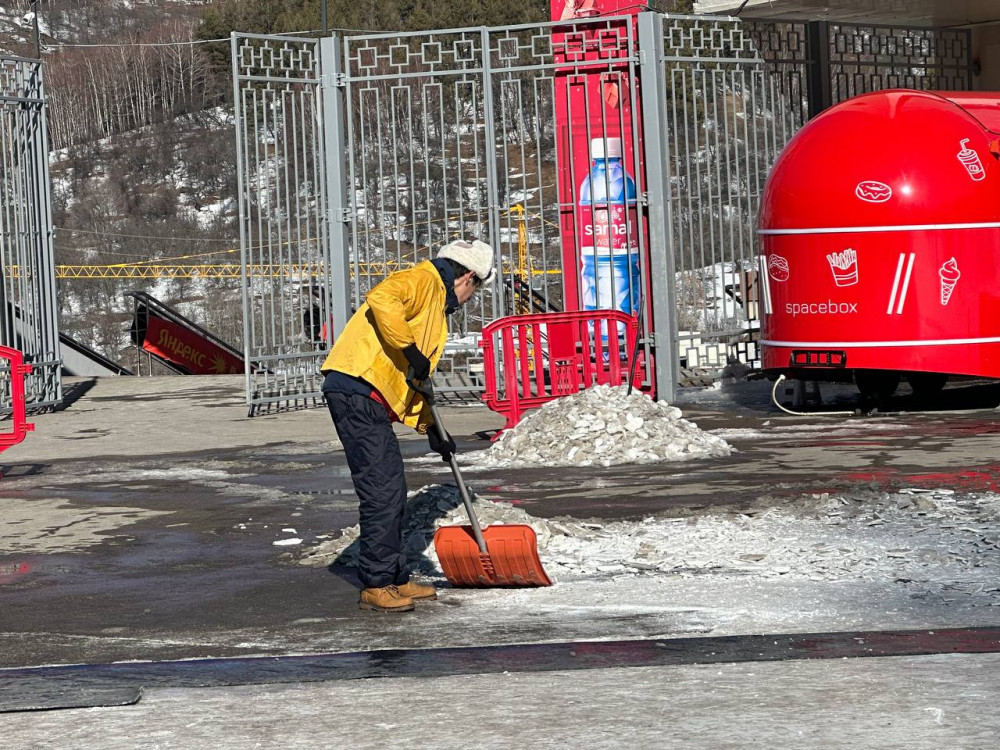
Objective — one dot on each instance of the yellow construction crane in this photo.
(160, 269)
(205, 270)
(525, 267)
(212, 271)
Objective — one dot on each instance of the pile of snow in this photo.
(601, 426)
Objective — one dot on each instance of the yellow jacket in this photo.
(407, 307)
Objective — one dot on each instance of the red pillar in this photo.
(594, 96)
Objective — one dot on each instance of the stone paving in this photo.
(140, 523)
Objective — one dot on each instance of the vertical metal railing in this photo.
(721, 122)
(28, 308)
(286, 226)
(452, 133)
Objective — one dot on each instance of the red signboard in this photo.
(183, 347)
(598, 153)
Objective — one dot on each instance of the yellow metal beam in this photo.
(222, 271)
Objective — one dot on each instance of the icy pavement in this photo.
(818, 562)
(835, 428)
(928, 537)
(54, 525)
(208, 580)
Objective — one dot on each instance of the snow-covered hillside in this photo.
(64, 22)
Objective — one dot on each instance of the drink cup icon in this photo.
(970, 160)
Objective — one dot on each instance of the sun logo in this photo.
(218, 366)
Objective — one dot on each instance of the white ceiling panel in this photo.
(907, 12)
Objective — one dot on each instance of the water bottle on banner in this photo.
(609, 236)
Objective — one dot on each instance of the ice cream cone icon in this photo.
(950, 275)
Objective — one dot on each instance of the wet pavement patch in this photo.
(39, 688)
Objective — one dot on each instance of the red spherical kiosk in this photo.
(880, 231)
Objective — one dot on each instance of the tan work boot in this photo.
(417, 591)
(385, 599)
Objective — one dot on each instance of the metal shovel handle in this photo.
(427, 391)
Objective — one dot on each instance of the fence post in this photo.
(42, 200)
(336, 225)
(661, 252)
(819, 87)
(243, 198)
(492, 178)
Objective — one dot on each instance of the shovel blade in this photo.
(512, 560)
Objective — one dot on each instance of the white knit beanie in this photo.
(476, 256)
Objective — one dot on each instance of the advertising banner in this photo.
(187, 349)
(597, 156)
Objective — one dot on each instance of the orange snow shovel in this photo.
(499, 555)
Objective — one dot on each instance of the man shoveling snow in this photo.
(401, 329)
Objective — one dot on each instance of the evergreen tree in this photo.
(276, 17)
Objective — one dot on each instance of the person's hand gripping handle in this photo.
(438, 438)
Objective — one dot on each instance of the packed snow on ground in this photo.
(784, 430)
(600, 426)
(220, 479)
(927, 538)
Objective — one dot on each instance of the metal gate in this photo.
(453, 134)
(292, 246)
(721, 124)
(358, 161)
(354, 164)
(28, 308)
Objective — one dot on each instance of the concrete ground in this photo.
(925, 703)
(139, 524)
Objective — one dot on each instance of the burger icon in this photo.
(777, 268)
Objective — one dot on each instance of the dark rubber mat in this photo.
(34, 695)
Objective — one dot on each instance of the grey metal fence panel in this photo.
(872, 57)
(451, 134)
(727, 120)
(28, 308)
(284, 217)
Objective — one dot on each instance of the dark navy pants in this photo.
(372, 449)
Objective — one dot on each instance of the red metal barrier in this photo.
(17, 372)
(542, 357)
